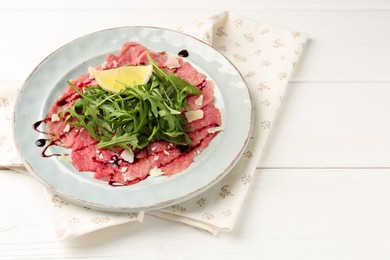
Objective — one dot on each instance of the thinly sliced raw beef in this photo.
(159, 58)
(211, 118)
(190, 74)
(200, 100)
(127, 56)
(108, 164)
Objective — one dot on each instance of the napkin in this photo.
(266, 57)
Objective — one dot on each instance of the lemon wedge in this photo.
(112, 80)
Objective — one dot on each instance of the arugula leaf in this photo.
(135, 116)
(176, 81)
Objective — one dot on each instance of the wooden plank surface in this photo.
(289, 214)
(171, 5)
(337, 124)
(352, 45)
(321, 190)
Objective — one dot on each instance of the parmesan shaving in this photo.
(213, 130)
(91, 76)
(172, 62)
(55, 118)
(194, 115)
(127, 156)
(67, 128)
(199, 101)
(154, 172)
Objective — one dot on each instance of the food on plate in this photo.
(141, 113)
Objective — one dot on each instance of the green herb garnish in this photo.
(135, 116)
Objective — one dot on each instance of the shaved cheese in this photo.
(172, 62)
(67, 128)
(55, 118)
(154, 172)
(126, 177)
(194, 115)
(212, 130)
(127, 156)
(199, 101)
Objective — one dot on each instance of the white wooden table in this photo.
(322, 188)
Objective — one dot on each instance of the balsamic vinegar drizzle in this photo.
(183, 53)
(49, 155)
(37, 124)
(42, 142)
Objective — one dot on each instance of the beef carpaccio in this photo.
(160, 157)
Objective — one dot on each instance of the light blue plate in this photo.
(48, 81)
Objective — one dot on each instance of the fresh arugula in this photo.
(135, 116)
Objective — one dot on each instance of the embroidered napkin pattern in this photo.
(266, 57)
(8, 94)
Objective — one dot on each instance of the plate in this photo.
(45, 84)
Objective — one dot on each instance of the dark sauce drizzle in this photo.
(37, 124)
(43, 142)
(40, 142)
(49, 155)
(183, 53)
(115, 184)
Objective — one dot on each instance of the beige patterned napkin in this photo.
(266, 57)
(8, 94)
